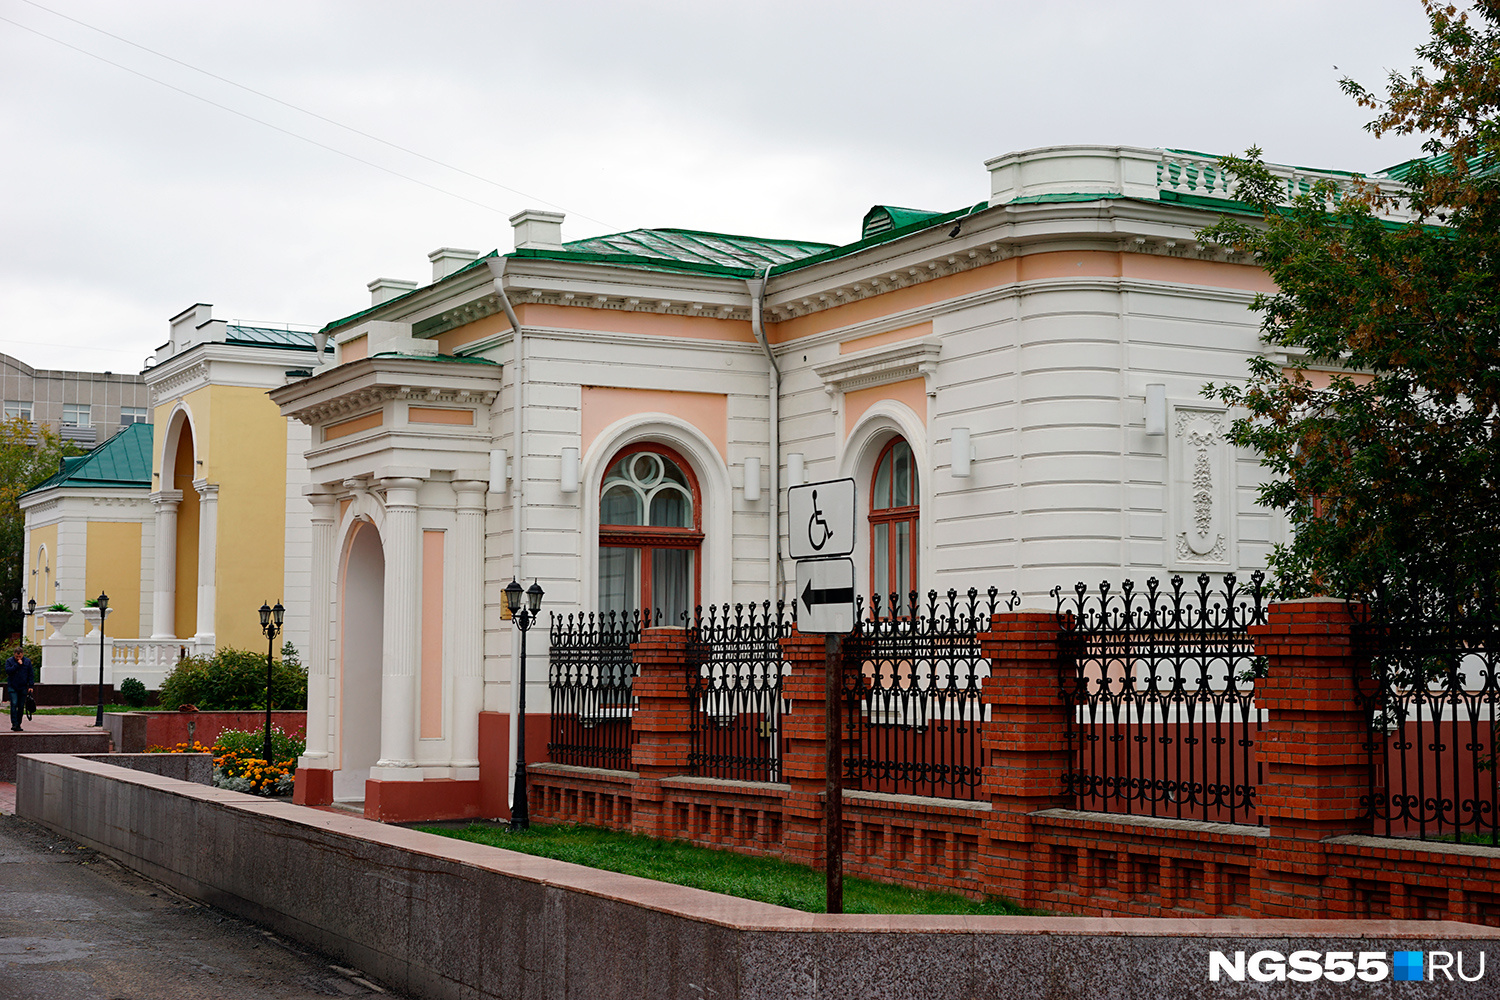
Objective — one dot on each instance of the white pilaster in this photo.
(467, 621)
(319, 704)
(401, 637)
(208, 544)
(164, 599)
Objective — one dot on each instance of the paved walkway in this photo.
(74, 925)
(53, 723)
(40, 724)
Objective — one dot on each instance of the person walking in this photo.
(20, 676)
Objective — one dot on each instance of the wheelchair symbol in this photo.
(816, 522)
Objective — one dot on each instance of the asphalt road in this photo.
(75, 925)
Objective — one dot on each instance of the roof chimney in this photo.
(385, 289)
(537, 230)
(446, 260)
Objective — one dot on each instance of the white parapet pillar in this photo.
(401, 637)
(94, 648)
(208, 545)
(164, 604)
(467, 616)
(320, 604)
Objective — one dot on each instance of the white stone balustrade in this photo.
(147, 660)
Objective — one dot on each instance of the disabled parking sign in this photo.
(820, 519)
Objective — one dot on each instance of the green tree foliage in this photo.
(28, 455)
(235, 680)
(1389, 473)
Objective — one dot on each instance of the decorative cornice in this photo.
(372, 398)
(914, 264)
(882, 365)
(189, 376)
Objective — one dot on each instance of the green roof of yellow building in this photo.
(122, 461)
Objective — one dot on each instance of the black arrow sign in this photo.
(833, 595)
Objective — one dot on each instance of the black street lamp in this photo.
(103, 605)
(524, 617)
(270, 624)
(15, 606)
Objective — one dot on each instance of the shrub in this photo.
(134, 692)
(235, 680)
(32, 650)
(59, 606)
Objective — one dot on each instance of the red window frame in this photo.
(646, 538)
(883, 521)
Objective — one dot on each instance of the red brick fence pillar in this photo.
(1312, 752)
(662, 723)
(803, 732)
(1024, 748)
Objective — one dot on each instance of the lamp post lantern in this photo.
(524, 616)
(270, 624)
(103, 605)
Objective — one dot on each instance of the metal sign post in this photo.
(833, 757)
(821, 516)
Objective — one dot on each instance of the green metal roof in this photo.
(463, 359)
(691, 246)
(1442, 163)
(270, 336)
(122, 461)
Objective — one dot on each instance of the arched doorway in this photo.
(183, 462)
(361, 614)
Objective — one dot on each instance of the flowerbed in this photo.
(239, 762)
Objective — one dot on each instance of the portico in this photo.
(399, 470)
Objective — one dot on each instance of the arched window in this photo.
(894, 514)
(650, 531)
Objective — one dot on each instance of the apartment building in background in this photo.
(88, 408)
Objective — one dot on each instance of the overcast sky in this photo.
(125, 201)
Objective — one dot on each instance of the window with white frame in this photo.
(15, 409)
(132, 415)
(76, 415)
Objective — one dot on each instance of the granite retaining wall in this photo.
(444, 918)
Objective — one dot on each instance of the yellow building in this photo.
(218, 518)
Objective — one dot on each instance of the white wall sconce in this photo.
(1156, 409)
(963, 453)
(752, 479)
(568, 481)
(499, 471)
(796, 469)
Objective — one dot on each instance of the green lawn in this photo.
(768, 880)
(82, 709)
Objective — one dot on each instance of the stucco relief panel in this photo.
(1200, 490)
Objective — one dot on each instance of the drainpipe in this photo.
(773, 393)
(517, 491)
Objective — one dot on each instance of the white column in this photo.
(467, 616)
(319, 703)
(164, 601)
(208, 544)
(401, 639)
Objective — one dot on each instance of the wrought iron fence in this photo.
(735, 666)
(1431, 691)
(911, 683)
(1161, 687)
(590, 676)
